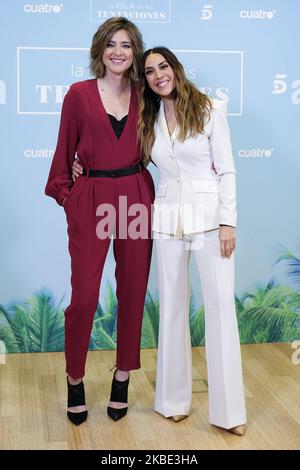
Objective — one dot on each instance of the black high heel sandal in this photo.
(76, 397)
(119, 393)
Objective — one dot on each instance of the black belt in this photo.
(131, 170)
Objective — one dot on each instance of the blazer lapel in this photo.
(163, 126)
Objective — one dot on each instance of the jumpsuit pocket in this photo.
(72, 195)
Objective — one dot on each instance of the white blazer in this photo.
(191, 196)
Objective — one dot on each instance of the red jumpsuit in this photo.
(85, 129)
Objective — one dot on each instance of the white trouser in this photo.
(174, 369)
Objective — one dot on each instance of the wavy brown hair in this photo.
(191, 106)
(102, 37)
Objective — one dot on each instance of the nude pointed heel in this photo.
(238, 430)
(178, 418)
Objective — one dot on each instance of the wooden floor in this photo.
(33, 397)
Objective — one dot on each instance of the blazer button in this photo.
(178, 180)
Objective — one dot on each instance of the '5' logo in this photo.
(280, 86)
(207, 12)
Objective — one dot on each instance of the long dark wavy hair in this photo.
(191, 106)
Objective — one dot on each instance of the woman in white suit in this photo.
(187, 135)
(188, 138)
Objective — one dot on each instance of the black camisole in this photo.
(118, 126)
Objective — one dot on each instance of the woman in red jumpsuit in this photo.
(99, 124)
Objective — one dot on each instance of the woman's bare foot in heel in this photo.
(118, 406)
(120, 376)
(76, 409)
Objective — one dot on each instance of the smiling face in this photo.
(118, 54)
(159, 75)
